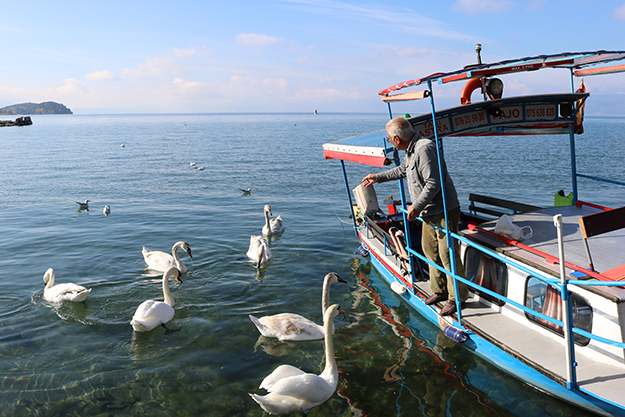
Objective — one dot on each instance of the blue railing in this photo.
(567, 327)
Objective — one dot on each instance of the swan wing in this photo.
(309, 388)
(256, 244)
(157, 260)
(276, 225)
(281, 372)
(66, 292)
(151, 314)
(289, 326)
(279, 404)
(252, 252)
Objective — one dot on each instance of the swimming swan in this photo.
(291, 389)
(152, 313)
(289, 326)
(272, 226)
(161, 261)
(62, 292)
(259, 250)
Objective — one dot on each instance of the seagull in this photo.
(123, 145)
(191, 164)
(107, 210)
(83, 206)
(200, 168)
(245, 190)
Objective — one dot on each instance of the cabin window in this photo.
(546, 299)
(487, 272)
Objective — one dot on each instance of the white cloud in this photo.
(412, 51)
(190, 52)
(153, 67)
(255, 39)
(482, 6)
(103, 75)
(619, 13)
(71, 86)
(401, 19)
(187, 86)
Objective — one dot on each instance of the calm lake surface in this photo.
(79, 359)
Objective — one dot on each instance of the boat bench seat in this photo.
(597, 224)
(496, 205)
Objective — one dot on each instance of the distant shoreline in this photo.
(28, 109)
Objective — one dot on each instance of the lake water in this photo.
(79, 359)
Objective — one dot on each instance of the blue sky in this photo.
(290, 55)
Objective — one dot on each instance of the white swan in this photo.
(259, 250)
(107, 210)
(291, 389)
(161, 261)
(62, 292)
(152, 313)
(272, 226)
(289, 326)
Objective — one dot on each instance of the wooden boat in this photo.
(537, 310)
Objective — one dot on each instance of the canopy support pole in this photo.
(450, 239)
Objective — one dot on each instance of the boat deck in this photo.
(543, 352)
(606, 249)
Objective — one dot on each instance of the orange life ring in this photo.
(468, 89)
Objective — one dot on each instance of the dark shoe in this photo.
(435, 298)
(449, 308)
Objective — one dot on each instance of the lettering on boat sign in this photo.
(476, 118)
(541, 112)
(427, 128)
(457, 122)
(510, 114)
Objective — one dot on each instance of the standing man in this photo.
(420, 168)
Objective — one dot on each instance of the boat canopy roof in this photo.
(525, 115)
(521, 115)
(575, 61)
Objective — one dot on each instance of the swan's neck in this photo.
(166, 293)
(331, 372)
(50, 282)
(174, 253)
(267, 219)
(325, 297)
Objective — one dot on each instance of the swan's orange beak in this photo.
(179, 277)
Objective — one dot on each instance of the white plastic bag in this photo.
(506, 227)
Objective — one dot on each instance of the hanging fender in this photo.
(468, 89)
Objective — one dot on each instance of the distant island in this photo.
(47, 107)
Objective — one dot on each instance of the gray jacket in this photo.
(420, 168)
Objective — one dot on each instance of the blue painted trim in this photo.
(601, 179)
(349, 196)
(498, 358)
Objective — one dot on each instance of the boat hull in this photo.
(385, 266)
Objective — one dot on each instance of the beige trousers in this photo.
(434, 243)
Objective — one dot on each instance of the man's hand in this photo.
(412, 213)
(369, 179)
